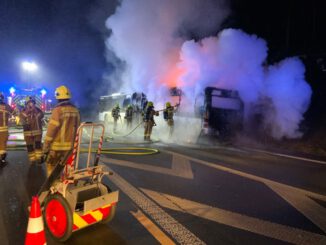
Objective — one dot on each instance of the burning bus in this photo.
(221, 112)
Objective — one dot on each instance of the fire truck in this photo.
(17, 100)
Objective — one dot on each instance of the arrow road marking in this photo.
(306, 207)
(262, 227)
(180, 166)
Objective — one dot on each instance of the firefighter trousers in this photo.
(129, 123)
(170, 123)
(3, 143)
(54, 158)
(34, 147)
(115, 124)
(148, 129)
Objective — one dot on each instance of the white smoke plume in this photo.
(153, 40)
(235, 60)
(148, 34)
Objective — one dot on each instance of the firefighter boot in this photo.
(3, 159)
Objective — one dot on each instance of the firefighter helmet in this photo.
(168, 104)
(117, 105)
(29, 99)
(150, 103)
(2, 97)
(62, 93)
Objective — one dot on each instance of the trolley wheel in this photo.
(112, 210)
(58, 217)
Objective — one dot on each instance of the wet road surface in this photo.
(188, 195)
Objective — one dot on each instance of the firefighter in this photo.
(129, 116)
(31, 118)
(5, 112)
(62, 128)
(116, 115)
(149, 122)
(168, 114)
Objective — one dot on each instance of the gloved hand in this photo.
(45, 154)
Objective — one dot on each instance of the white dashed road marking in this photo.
(236, 220)
(171, 226)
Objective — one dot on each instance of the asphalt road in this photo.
(188, 195)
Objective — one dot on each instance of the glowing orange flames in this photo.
(172, 78)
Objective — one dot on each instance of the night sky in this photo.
(67, 39)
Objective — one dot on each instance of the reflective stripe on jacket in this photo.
(62, 127)
(5, 111)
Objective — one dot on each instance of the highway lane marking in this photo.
(152, 228)
(181, 166)
(305, 206)
(288, 156)
(171, 226)
(236, 220)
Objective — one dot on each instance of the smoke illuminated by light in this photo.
(148, 37)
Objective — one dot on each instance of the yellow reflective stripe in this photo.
(38, 154)
(3, 129)
(32, 156)
(54, 122)
(78, 221)
(97, 215)
(69, 115)
(27, 133)
(32, 132)
(48, 138)
(36, 132)
(2, 151)
(61, 146)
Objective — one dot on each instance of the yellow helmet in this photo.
(62, 93)
(29, 99)
(150, 103)
(168, 104)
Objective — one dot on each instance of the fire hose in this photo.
(131, 151)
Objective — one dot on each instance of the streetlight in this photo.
(29, 67)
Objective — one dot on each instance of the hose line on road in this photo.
(131, 151)
(125, 135)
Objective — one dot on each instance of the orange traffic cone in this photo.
(35, 229)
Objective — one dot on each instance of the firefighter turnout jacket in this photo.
(32, 121)
(168, 113)
(129, 113)
(62, 127)
(5, 111)
(115, 113)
